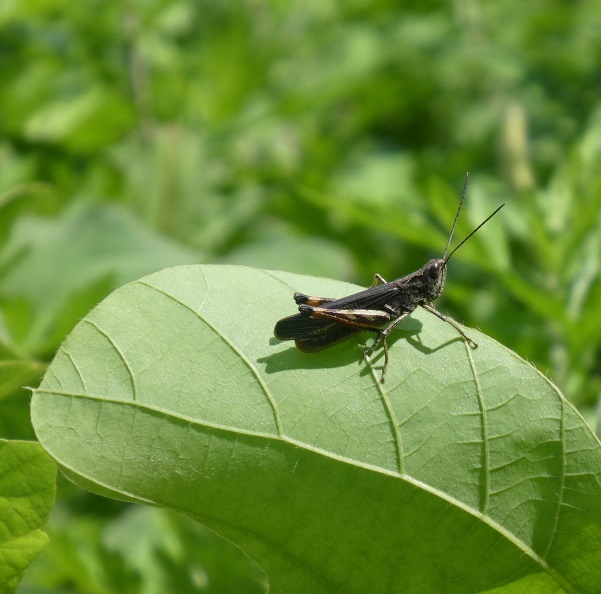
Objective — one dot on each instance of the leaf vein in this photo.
(119, 352)
(394, 422)
(485, 441)
(239, 353)
(562, 482)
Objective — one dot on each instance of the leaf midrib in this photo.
(318, 451)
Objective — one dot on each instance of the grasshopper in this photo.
(323, 322)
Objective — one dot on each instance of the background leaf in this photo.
(89, 249)
(101, 546)
(466, 471)
(27, 477)
(16, 373)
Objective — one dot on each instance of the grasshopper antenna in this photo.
(444, 257)
(490, 216)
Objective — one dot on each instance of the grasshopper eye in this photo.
(435, 269)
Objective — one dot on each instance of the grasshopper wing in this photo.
(312, 335)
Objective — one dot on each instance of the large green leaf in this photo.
(27, 478)
(467, 471)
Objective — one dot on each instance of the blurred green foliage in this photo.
(317, 137)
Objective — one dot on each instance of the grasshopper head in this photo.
(434, 274)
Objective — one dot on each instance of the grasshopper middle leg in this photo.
(381, 339)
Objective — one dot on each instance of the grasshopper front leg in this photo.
(377, 279)
(448, 320)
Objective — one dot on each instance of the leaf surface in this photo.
(466, 472)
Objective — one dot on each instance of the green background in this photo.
(323, 138)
